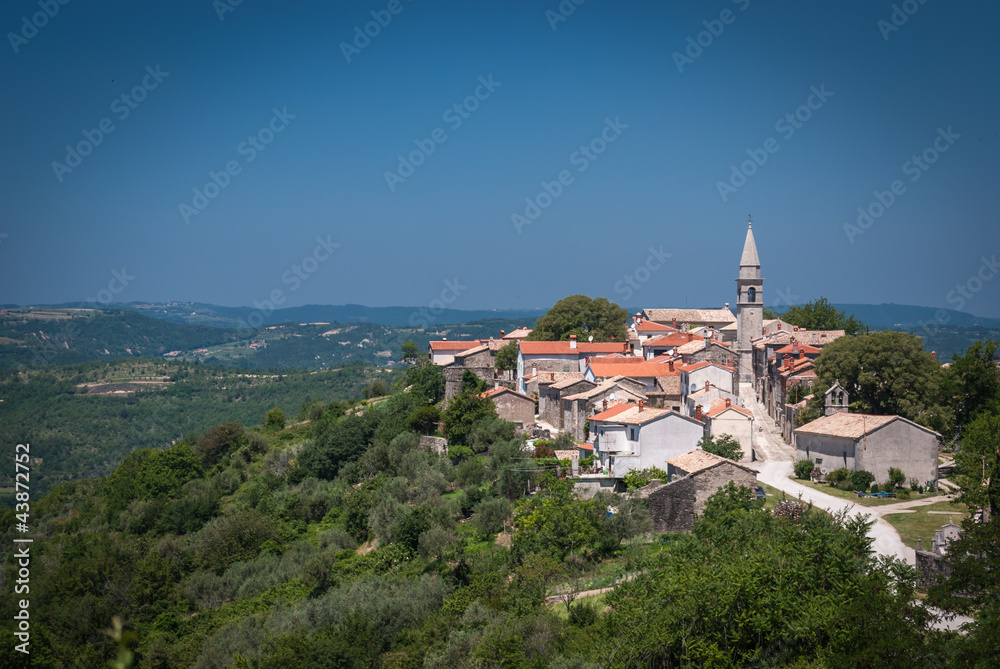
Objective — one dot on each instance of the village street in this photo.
(775, 462)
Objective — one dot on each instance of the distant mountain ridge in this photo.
(876, 316)
(196, 313)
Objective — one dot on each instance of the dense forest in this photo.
(340, 541)
(82, 420)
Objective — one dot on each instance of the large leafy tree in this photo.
(747, 589)
(581, 316)
(884, 373)
(463, 412)
(972, 383)
(974, 583)
(821, 315)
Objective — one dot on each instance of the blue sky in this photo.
(645, 220)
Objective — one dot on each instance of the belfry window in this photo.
(751, 295)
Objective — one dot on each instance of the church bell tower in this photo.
(749, 306)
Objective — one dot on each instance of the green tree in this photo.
(581, 316)
(724, 445)
(427, 379)
(410, 351)
(972, 383)
(275, 419)
(472, 383)
(821, 315)
(507, 357)
(425, 419)
(884, 373)
(747, 589)
(463, 412)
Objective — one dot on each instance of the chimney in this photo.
(496, 385)
(641, 404)
(503, 333)
(605, 405)
(802, 355)
(572, 341)
(934, 354)
(707, 386)
(795, 346)
(697, 413)
(552, 376)
(534, 371)
(673, 322)
(795, 328)
(671, 363)
(729, 403)
(690, 335)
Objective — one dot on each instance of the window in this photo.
(752, 295)
(819, 461)
(631, 433)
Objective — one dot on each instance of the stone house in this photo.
(686, 319)
(479, 360)
(630, 436)
(694, 476)
(512, 405)
(560, 356)
(601, 369)
(443, 352)
(704, 396)
(579, 407)
(872, 443)
(707, 374)
(550, 397)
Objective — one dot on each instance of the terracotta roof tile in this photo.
(453, 345)
(582, 349)
(851, 425)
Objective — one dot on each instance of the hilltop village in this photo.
(684, 376)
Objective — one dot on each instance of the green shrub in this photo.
(803, 468)
(637, 478)
(587, 462)
(275, 419)
(839, 475)
(862, 479)
(896, 477)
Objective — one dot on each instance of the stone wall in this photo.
(672, 507)
(481, 364)
(931, 569)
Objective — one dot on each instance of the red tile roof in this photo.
(805, 348)
(645, 369)
(653, 326)
(721, 407)
(612, 412)
(563, 348)
(454, 345)
(702, 365)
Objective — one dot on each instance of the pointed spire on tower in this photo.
(749, 258)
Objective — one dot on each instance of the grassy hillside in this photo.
(340, 542)
(82, 420)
